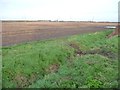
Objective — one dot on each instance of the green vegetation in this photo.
(0, 67)
(79, 61)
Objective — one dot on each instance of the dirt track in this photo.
(18, 32)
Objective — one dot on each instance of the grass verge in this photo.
(79, 61)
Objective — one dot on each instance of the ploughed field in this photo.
(19, 32)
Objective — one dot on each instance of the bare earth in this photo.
(18, 32)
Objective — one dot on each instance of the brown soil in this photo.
(52, 68)
(18, 32)
(115, 32)
(21, 81)
(75, 45)
(102, 52)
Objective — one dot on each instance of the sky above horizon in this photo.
(67, 10)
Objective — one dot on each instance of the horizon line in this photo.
(55, 20)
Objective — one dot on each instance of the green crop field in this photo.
(79, 61)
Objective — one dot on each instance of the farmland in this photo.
(19, 32)
(82, 56)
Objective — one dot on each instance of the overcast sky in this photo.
(73, 10)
